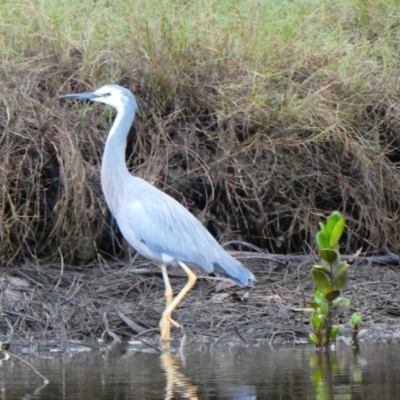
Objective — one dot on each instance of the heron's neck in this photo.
(114, 172)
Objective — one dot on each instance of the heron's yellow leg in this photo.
(166, 317)
(168, 292)
(168, 288)
(165, 323)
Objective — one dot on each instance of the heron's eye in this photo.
(107, 94)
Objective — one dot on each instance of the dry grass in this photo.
(260, 118)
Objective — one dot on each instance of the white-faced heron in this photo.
(153, 223)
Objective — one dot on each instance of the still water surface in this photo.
(224, 372)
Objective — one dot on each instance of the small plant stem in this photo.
(328, 326)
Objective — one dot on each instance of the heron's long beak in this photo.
(80, 96)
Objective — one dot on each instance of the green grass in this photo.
(259, 36)
(259, 42)
(293, 106)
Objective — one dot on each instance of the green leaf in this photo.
(355, 319)
(324, 308)
(340, 304)
(337, 232)
(314, 338)
(328, 255)
(318, 300)
(319, 297)
(323, 269)
(320, 279)
(314, 305)
(334, 294)
(333, 219)
(322, 240)
(317, 320)
(341, 277)
(321, 226)
(336, 330)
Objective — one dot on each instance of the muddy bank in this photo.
(57, 304)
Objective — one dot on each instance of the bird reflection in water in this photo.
(177, 381)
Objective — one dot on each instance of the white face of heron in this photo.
(115, 96)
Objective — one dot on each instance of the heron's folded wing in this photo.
(167, 228)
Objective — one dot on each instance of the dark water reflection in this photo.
(225, 372)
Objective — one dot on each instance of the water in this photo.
(223, 372)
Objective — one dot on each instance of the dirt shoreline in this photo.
(47, 303)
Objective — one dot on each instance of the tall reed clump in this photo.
(250, 112)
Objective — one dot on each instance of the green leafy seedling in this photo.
(355, 319)
(330, 278)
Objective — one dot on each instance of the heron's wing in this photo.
(168, 229)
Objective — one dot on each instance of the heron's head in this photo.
(116, 96)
